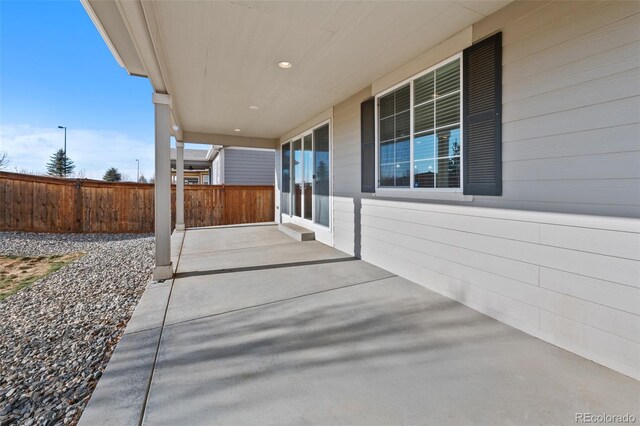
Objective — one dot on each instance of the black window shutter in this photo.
(482, 117)
(368, 145)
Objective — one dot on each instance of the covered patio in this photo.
(231, 74)
(257, 328)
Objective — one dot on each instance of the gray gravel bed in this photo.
(57, 335)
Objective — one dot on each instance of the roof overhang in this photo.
(218, 58)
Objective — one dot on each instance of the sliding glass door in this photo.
(307, 185)
(321, 174)
(306, 176)
(296, 178)
(286, 179)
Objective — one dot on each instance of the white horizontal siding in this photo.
(606, 348)
(443, 254)
(344, 224)
(587, 275)
(447, 219)
(522, 251)
(624, 245)
(507, 309)
(606, 293)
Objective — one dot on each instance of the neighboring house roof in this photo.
(196, 158)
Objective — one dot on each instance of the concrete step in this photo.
(297, 232)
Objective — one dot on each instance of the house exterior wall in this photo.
(570, 109)
(558, 255)
(200, 175)
(322, 233)
(346, 173)
(248, 166)
(216, 171)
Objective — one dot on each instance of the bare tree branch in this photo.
(4, 159)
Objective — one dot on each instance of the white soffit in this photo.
(221, 57)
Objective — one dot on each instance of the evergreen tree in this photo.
(112, 175)
(142, 179)
(59, 164)
(322, 172)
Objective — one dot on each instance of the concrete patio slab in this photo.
(383, 352)
(232, 237)
(291, 252)
(215, 282)
(264, 331)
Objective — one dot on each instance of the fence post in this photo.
(78, 223)
(224, 205)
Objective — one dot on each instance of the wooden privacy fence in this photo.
(47, 204)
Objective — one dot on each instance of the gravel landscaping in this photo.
(57, 334)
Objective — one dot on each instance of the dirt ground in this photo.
(17, 272)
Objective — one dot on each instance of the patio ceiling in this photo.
(216, 59)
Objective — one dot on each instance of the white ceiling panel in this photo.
(222, 56)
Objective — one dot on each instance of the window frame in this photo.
(411, 189)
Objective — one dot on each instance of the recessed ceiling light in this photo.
(236, 130)
(254, 107)
(284, 64)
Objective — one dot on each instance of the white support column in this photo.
(221, 172)
(180, 186)
(163, 269)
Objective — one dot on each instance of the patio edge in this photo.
(121, 393)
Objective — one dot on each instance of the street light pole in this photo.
(64, 170)
(138, 174)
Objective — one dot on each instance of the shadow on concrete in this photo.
(261, 267)
(380, 344)
(232, 355)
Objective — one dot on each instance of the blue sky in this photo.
(55, 69)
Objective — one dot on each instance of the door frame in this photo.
(324, 234)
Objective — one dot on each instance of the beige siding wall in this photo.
(571, 133)
(346, 171)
